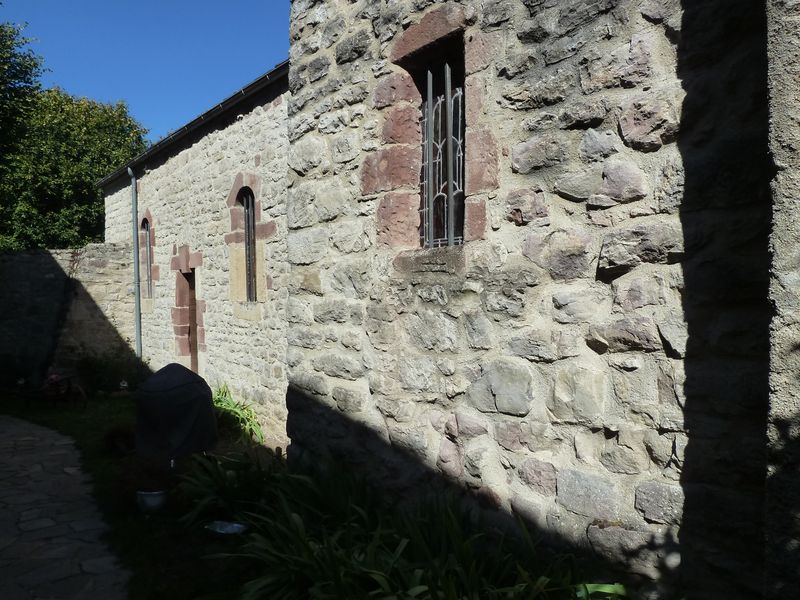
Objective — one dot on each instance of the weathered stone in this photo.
(527, 206)
(510, 434)
(675, 332)
(541, 345)
(588, 495)
(308, 153)
(349, 400)
(398, 220)
(626, 67)
(623, 181)
(495, 12)
(481, 161)
(395, 88)
(625, 454)
(307, 247)
(637, 550)
(579, 186)
(450, 461)
(402, 125)
(563, 48)
(538, 152)
(629, 333)
(350, 236)
(669, 185)
(600, 202)
(418, 373)
(479, 330)
(638, 292)
(353, 47)
(432, 330)
(579, 304)
(436, 24)
(507, 386)
(578, 13)
(310, 382)
(338, 311)
(667, 12)
(339, 365)
(546, 92)
(579, 395)
(660, 502)
(470, 425)
(648, 122)
(516, 62)
(410, 438)
(480, 48)
(624, 249)
(597, 145)
(563, 253)
(391, 168)
(540, 476)
(346, 146)
(482, 461)
(584, 114)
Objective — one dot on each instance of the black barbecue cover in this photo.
(174, 414)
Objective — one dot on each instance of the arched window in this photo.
(247, 200)
(146, 252)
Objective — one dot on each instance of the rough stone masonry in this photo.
(595, 356)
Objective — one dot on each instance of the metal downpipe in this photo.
(137, 304)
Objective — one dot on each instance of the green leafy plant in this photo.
(237, 416)
(322, 532)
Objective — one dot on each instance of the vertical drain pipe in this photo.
(137, 306)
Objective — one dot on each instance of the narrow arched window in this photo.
(146, 252)
(248, 202)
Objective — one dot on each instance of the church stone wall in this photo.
(186, 197)
(594, 356)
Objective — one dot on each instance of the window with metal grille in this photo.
(146, 243)
(247, 200)
(438, 71)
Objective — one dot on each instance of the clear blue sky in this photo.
(169, 60)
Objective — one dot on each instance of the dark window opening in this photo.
(247, 200)
(148, 258)
(438, 71)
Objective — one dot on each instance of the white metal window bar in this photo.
(442, 202)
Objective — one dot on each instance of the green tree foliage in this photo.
(49, 197)
(54, 147)
(20, 69)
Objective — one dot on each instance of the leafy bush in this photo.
(324, 533)
(105, 372)
(236, 416)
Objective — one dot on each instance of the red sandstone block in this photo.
(474, 98)
(395, 88)
(474, 218)
(235, 237)
(201, 335)
(180, 315)
(402, 126)
(183, 348)
(391, 168)
(482, 157)
(264, 231)
(237, 217)
(195, 260)
(398, 220)
(437, 23)
(180, 330)
(480, 49)
(238, 182)
(155, 273)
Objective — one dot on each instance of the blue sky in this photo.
(169, 60)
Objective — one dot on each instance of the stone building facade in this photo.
(593, 357)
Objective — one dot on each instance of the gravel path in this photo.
(50, 527)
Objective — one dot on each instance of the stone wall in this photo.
(783, 483)
(62, 305)
(594, 357)
(187, 196)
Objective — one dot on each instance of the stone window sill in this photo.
(247, 311)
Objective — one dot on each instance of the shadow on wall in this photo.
(725, 215)
(400, 475)
(50, 318)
